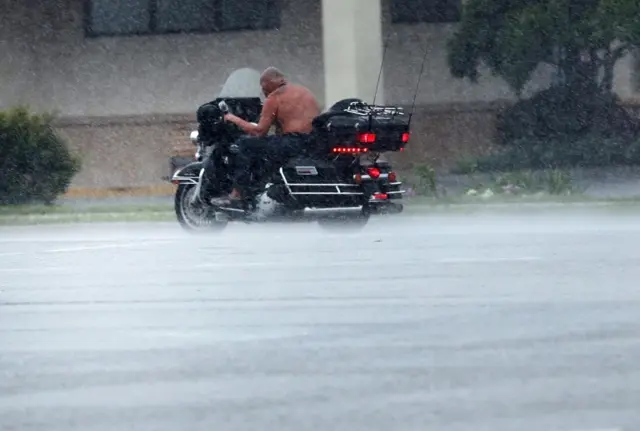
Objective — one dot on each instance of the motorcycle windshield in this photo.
(242, 83)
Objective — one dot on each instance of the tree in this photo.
(583, 39)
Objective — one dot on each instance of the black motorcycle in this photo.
(340, 179)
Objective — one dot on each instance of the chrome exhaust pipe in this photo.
(331, 211)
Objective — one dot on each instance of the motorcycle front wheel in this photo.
(194, 217)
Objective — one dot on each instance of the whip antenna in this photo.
(384, 53)
(415, 95)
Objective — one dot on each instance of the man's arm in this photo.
(269, 110)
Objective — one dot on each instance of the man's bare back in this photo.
(290, 107)
(295, 109)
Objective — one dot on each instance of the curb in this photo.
(115, 192)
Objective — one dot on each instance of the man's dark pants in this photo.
(263, 154)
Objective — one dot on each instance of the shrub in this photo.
(426, 184)
(562, 128)
(563, 113)
(536, 153)
(36, 164)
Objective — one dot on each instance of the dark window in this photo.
(119, 16)
(248, 14)
(430, 11)
(185, 15)
(636, 70)
(137, 17)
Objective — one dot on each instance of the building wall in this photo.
(81, 76)
(17, 73)
(78, 76)
(48, 63)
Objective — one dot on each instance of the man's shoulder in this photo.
(301, 88)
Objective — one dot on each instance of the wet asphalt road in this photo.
(441, 323)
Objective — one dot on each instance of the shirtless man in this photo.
(291, 108)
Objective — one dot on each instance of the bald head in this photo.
(271, 79)
(272, 74)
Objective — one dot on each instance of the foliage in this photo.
(553, 182)
(557, 113)
(426, 184)
(557, 153)
(583, 39)
(579, 120)
(35, 163)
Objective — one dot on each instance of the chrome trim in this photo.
(337, 186)
(184, 180)
(286, 183)
(333, 209)
(381, 177)
(222, 209)
(327, 193)
(323, 185)
(306, 170)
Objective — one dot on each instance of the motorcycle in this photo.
(341, 180)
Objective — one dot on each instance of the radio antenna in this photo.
(384, 53)
(415, 95)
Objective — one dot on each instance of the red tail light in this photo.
(374, 173)
(347, 150)
(367, 138)
(392, 177)
(380, 196)
(405, 137)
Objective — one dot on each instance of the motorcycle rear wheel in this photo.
(196, 217)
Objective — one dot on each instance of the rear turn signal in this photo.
(367, 138)
(346, 150)
(405, 137)
(392, 177)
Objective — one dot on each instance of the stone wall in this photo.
(125, 152)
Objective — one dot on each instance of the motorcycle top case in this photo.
(341, 129)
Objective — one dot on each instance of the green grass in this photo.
(67, 218)
(15, 210)
(64, 214)
(61, 214)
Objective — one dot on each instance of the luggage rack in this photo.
(365, 109)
